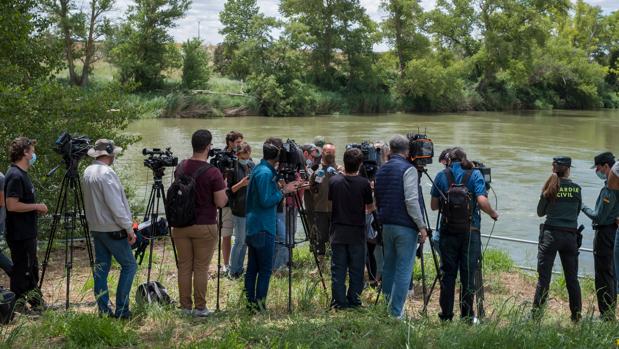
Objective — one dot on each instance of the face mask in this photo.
(244, 162)
(601, 175)
(33, 160)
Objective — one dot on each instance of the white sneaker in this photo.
(201, 312)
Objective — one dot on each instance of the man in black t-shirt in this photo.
(351, 197)
(21, 222)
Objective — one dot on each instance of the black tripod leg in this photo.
(289, 243)
(308, 231)
(219, 227)
(380, 286)
(60, 205)
(170, 232)
(85, 229)
(479, 290)
(424, 289)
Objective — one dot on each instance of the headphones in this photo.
(109, 148)
(271, 151)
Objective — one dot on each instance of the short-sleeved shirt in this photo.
(209, 182)
(20, 225)
(349, 195)
(2, 209)
(476, 186)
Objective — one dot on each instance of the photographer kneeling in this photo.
(351, 197)
(460, 242)
(238, 196)
(263, 196)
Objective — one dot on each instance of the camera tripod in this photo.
(291, 242)
(70, 207)
(152, 213)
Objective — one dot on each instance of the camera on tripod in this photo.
(372, 157)
(485, 171)
(72, 148)
(158, 158)
(291, 162)
(223, 160)
(421, 149)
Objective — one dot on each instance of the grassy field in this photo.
(311, 324)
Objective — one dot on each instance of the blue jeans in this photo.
(239, 248)
(105, 248)
(616, 255)
(281, 250)
(347, 259)
(259, 267)
(400, 244)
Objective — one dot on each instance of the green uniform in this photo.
(606, 207)
(603, 217)
(563, 211)
(559, 235)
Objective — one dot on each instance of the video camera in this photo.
(421, 149)
(223, 160)
(372, 157)
(485, 171)
(158, 158)
(72, 148)
(291, 162)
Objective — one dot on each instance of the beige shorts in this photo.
(227, 222)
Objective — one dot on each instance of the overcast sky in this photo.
(206, 12)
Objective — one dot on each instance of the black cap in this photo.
(604, 158)
(562, 161)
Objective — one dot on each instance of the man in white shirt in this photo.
(110, 223)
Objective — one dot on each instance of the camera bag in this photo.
(152, 292)
(7, 305)
(180, 203)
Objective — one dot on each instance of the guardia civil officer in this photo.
(604, 223)
(560, 202)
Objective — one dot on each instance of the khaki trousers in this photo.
(195, 246)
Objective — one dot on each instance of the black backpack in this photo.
(152, 292)
(180, 203)
(457, 208)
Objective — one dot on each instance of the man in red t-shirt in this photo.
(196, 244)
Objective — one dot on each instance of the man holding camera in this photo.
(460, 242)
(263, 196)
(111, 225)
(604, 218)
(351, 197)
(21, 222)
(233, 144)
(397, 199)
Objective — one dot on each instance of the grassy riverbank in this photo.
(311, 325)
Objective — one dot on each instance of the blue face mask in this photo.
(601, 175)
(33, 160)
(244, 162)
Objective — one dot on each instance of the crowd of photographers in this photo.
(366, 212)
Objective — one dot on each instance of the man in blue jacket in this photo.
(264, 193)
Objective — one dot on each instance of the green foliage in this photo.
(26, 53)
(47, 108)
(195, 65)
(497, 261)
(142, 47)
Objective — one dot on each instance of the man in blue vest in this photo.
(460, 244)
(397, 197)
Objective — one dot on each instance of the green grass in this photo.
(312, 324)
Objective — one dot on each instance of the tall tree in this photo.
(142, 47)
(79, 31)
(247, 34)
(403, 29)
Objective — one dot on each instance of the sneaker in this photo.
(201, 312)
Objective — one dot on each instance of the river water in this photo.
(518, 147)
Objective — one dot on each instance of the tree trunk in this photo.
(397, 21)
(68, 41)
(90, 45)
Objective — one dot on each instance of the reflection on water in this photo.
(518, 148)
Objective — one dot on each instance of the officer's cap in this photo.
(604, 158)
(562, 161)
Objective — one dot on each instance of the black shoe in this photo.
(124, 316)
